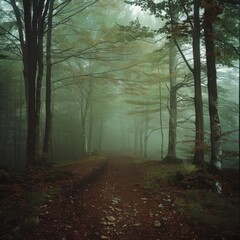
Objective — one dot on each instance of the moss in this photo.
(158, 172)
(199, 198)
(217, 211)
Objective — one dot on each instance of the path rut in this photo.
(114, 206)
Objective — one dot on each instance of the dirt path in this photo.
(113, 206)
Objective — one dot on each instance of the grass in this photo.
(164, 171)
(158, 172)
(219, 212)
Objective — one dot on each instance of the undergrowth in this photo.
(198, 200)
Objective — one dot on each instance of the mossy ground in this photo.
(196, 195)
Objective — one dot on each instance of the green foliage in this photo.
(2, 56)
(134, 31)
(159, 172)
(227, 35)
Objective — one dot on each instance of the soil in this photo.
(111, 203)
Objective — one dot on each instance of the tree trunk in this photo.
(38, 97)
(90, 126)
(161, 121)
(100, 135)
(32, 49)
(171, 154)
(84, 110)
(216, 147)
(90, 132)
(136, 135)
(30, 62)
(141, 139)
(145, 137)
(48, 101)
(198, 158)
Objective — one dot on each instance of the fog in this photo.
(111, 87)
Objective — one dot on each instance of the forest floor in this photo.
(118, 197)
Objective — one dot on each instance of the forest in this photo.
(136, 94)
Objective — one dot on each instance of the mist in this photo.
(111, 88)
(119, 119)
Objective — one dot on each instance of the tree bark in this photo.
(90, 125)
(171, 154)
(161, 120)
(198, 158)
(31, 63)
(48, 100)
(145, 141)
(31, 31)
(216, 146)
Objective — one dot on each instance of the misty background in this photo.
(111, 88)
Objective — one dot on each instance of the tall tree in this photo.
(48, 102)
(177, 29)
(212, 10)
(31, 32)
(172, 130)
(199, 122)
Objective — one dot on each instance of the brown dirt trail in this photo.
(113, 206)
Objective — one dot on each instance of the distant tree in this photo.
(11, 115)
(171, 153)
(175, 29)
(172, 132)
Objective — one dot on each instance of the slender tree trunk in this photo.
(84, 111)
(15, 125)
(129, 140)
(145, 137)
(48, 100)
(100, 135)
(171, 154)
(38, 96)
(216, 147)
(19, 140)
(161, 120)
(160, 117)
(123, 131)
(90, 132)
(141, 139)
(136, 134)
(198, 158)
(90, 126)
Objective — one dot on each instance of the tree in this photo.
(172, 132)
(199, 123)
(171, 153)
(175, 29)
(31, 29)
(48, 102)
(212, 10)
